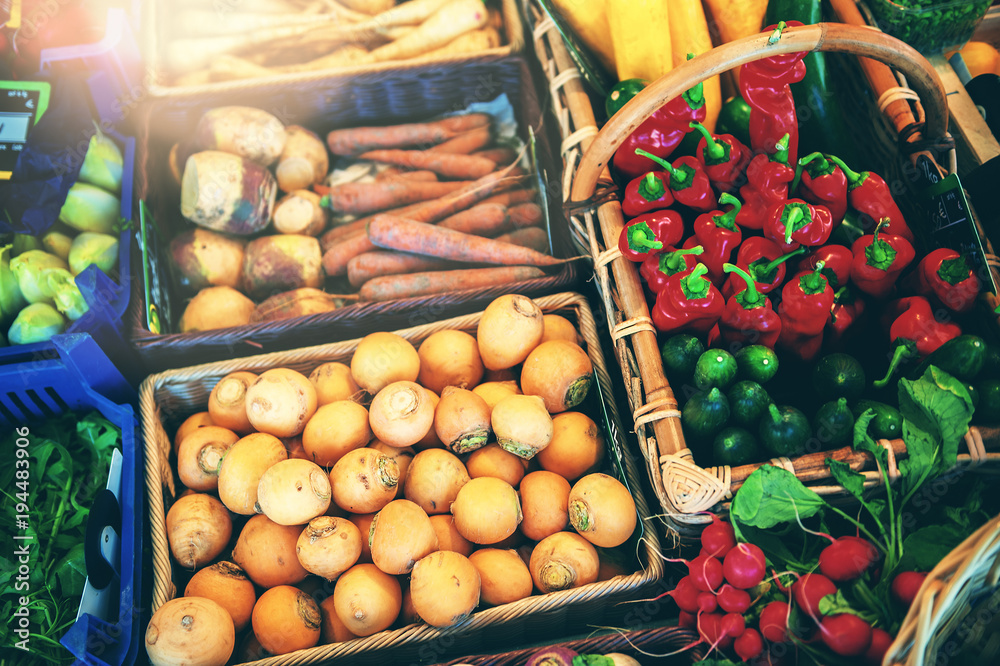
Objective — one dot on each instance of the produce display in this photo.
(275, 37)
(406, 484)
(279, 228)
(39, 296)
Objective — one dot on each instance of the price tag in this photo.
(22, 103)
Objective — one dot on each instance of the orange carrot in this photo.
(377, 263)
(362, 198)
(512, 197)
(481, 219)
(498, 155)
(392, 287)
(335, 258)
(525, 215)
(423, 175)
(395, 233)
(534, 237)
(356, 140)
(449, 165)
(466, 143)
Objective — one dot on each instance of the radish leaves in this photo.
(771, 496)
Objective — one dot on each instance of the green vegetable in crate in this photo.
(11, 299)
(37, 322)
(90, 208)
(28, 269)
(784, 431)
(757, 363)
(66, 294)
(839, 375)
(833, 424)
(988, 409)
(734, 119)
(680, 354)
(991, 362)
(735, 446)
(621, 93)
(887, 422)
(748, 403)
(962, 357)
(57, 243)
(103, 163)
(227, 193)
(90, 248)
(716, 367)
(705, 414)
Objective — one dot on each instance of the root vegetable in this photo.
(401, 533)
(504, 577)
(266, 551)
(332, 628)
(462, 420)
(225, 192)
(329, 546)
(407, 613)
(510, 327)
(295, 303)
(363, 521)
(446, 165)
(445, 587)
(229, 586)
(357, 140)
(434, 480)
(333, 381)
(557, 327)
(446, 24)
(216, 307)
(364, 481)
(495, 391)
(558, 371)
(426, 283)
(286, 619)
(577, 446)
(336, 428)
(449, 358)
(293, 492)
(522, 425)
(744, 566)
(401, 414)
(382, 358)
(367, 600)
(303, 161)
(189, 425)
(242, 130)
(198, 529)
(227, 402)
(189, 630)
(299, 212)
(200, 456)
(493, 461)
(601, 509)
(563, 561)
(280, 263)
(402, 456)
(448, 535)
(281, 402)
(545, 504)
(208, 259)
(244, 464)
(486, 510)
(430, 440)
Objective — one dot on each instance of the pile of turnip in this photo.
(413, 483)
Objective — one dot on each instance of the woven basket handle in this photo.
(828, 37)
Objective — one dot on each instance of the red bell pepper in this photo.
(719, 235)
(656, 268)
(878, 260)
(836, 260)
(767, 177)
(688, 302)
(945, 275)
(869, 194)
(794, 222)
(660, 133)
(650, 233)
(806, 301)
(848, 308)
(688, 182)
(914, 332)
(764, 84)
(749, 317)
(762, 258)
(724, 158)
(820, 181)
(647, 193)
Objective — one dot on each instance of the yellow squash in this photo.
(689, 34)
(640, 32)
(589, 20)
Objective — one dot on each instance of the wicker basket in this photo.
(684, 489)
(324, 103)
(172, 395)
(155, 13)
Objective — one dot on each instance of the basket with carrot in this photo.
(695, 300)
(271, 225)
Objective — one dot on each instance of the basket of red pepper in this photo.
(763, 297)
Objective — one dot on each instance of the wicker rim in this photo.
(158, 475)
(512, 27)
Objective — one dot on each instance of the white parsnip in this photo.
(448, 23)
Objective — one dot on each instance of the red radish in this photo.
(706, 573)
(906, 584)
(774, 621)
(881, 640)
(718, 538)
(685, 595)
(707, 602)
(749, 645)
(733, 625)
(744, 566)
(687, 620)
(809, 589)
(847, 558)
(847, 635)
(733, 600)
(710, 630)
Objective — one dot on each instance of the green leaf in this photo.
(925, 547)
(71, 572)
(938, 403)
(771, 496)
(715, 662)
(837, 603)
(852, 481)
(864, 442)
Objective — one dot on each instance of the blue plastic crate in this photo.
(81, 378)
